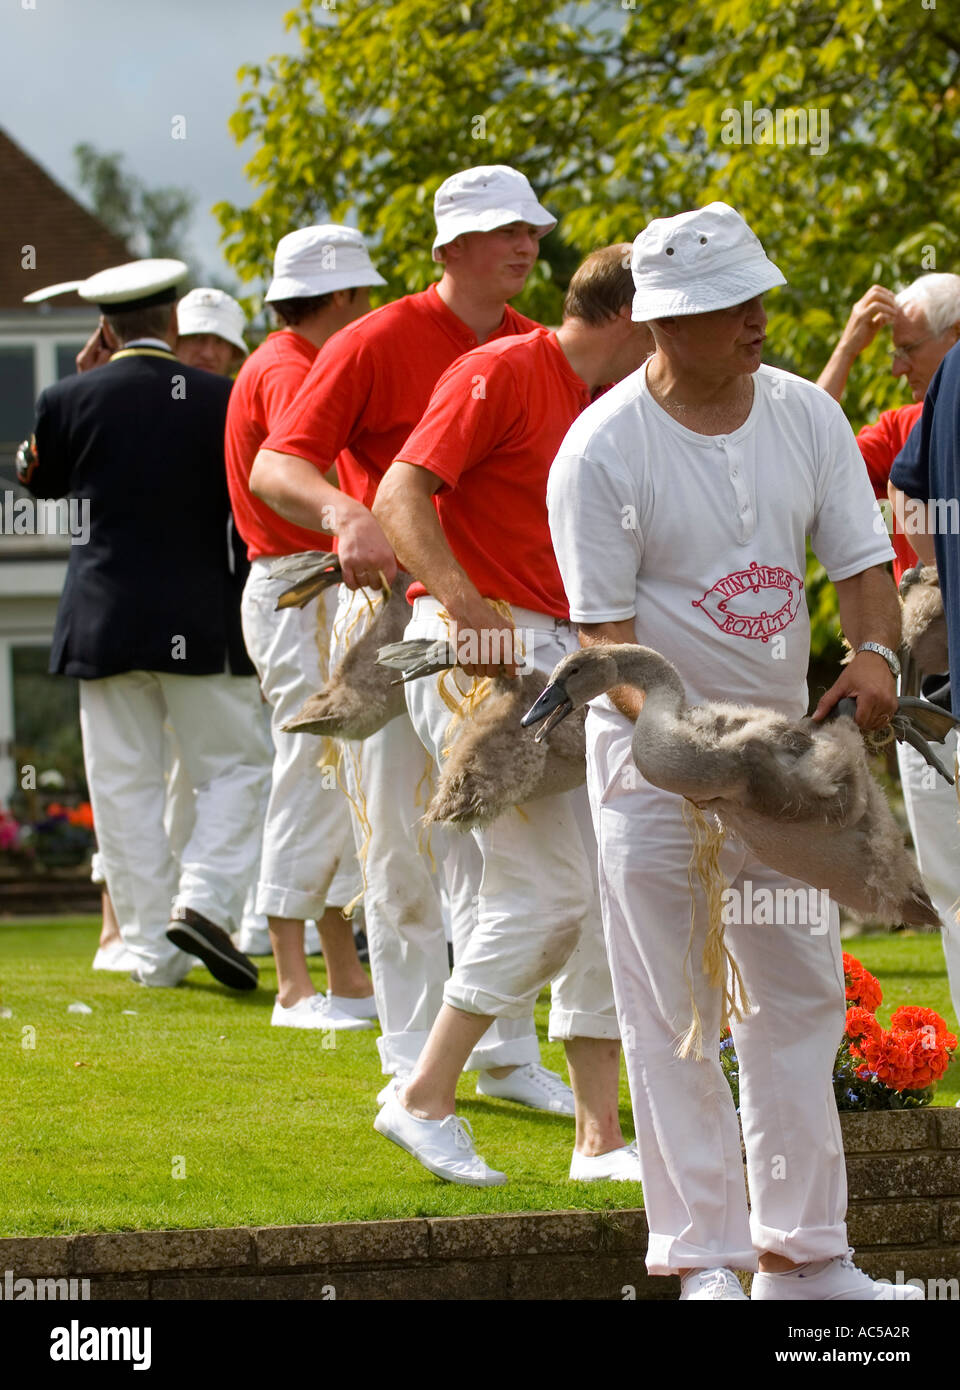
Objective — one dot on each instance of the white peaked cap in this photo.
(134, 285)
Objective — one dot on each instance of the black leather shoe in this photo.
(198, 937)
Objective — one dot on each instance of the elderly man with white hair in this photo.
(680, 503)
(925, 323)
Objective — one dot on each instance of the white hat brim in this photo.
(705, 294)
(202, 324)
(459, 224)
(295, 287)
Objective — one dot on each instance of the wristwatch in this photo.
(889, 657)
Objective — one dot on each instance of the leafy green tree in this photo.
(620, 111)
(152, 221)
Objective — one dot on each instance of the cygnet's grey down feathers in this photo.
(359, 698)
(493, 764)
(924, 621)
(800, 795)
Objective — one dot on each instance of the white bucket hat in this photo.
(484, 198)
(319, 260)
(697, 262)
(212, 311)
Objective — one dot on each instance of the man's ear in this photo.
(108, 335)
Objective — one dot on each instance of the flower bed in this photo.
(895, 1068)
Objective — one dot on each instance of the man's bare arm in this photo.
(869, 612)
(300, 493)
(626, 698)
(877, 307)
(404, 508)
(916, 527)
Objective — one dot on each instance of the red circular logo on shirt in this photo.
(734, 602)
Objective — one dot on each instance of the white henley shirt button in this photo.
(721, 441)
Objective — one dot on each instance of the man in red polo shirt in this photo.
(465, 508)
(362, 397)
(308, 867)
(925, 319)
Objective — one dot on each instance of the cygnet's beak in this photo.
(416, 657)
(313, 580)
(553, 706)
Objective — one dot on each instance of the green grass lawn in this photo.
(267, 1125)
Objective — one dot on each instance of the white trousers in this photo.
(220, 733)
(686, 1122)
(180, 813)
(932, 810)
(537, 911)
(389, 778)
(307, 857)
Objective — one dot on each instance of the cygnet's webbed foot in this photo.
(313, 572)
(418, 656)
(916, 721)
(910, 577)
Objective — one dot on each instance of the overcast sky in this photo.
(114, 73)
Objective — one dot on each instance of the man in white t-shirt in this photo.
(680, 503)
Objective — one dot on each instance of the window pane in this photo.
(66, 359)
(17, 393)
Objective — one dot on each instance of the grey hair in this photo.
(939, 298)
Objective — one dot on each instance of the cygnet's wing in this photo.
(916, 721)
(418, 656)
(312, 573)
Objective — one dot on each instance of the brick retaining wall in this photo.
(904, 1175)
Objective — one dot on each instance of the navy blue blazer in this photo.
(155, 587)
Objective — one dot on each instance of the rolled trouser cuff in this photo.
(802, 1245)
(273, 901)
(399, 1051)
(570, 1023)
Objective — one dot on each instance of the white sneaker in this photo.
(317, 1011)
(619, 1165)
(444, 1147)
(712, 1285)
(356, 1008)
(531, 1085)
(115, 956)
(828, 1281)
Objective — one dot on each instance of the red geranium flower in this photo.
(862, 988)
(909, 1056)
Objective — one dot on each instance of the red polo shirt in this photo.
(369, 385)
(265, 384)
(880, 443)
(491, 431)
